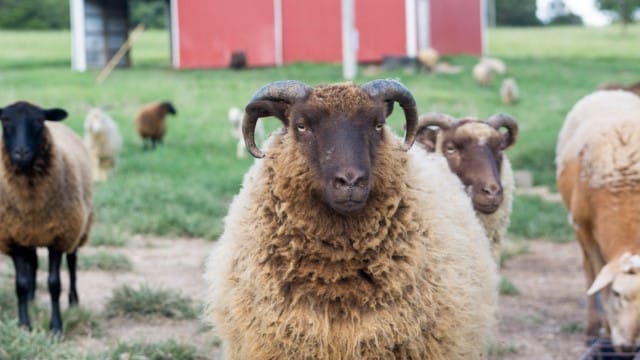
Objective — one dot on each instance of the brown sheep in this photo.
(474, 152)
(151, 122)
(45, 200)
(343, 245)
(598, 174)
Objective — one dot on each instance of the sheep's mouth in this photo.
(486, 208)
(348, 207)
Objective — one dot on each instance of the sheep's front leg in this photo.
(55, 258)
(32, 258)
(21, 261)
(72, 259)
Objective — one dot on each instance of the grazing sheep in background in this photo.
(474, 152)
(428, 58)
(45, 200)
(343, 245)
(151, 122)
(634, 88)
(235, 118)
(482, 74)
(598, 173)
(102, 138)
(495, 65)
(509, 91)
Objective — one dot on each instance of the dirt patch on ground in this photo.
(539, 323)
(545, 320)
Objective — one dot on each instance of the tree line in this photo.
(54, 14)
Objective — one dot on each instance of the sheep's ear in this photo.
(55, 114)
(427, 137)
(266, 108)
(605, 277)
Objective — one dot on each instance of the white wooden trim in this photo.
(175, 36)
(349, 40)
(78, 45)
(277, 32)
(411, 27)
(424, 33)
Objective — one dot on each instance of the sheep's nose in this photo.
(350, 177)
(22, 153)
(492, 190)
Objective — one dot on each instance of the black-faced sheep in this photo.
(102, 138)
(474, 152)
(45, 199)
(598, 173)
(151, 122)
(343, 245)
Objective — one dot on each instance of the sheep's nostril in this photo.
(349, 178)
(491, 190)
(22, 153)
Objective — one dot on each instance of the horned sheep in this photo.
(45, 200)
(343, 245)
(598, 175)
(151, 122)
(102, 138)
(474, 151)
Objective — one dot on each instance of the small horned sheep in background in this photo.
(151, 122)
(102, 138)
(509, 91)
(45, 200)
(235, 119)
(474, 151)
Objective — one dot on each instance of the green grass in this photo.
(106, 261)
(18, 344)
(506, 287)
(144, 301)
(185, 187)
(534, 218)
(168, 350)
(572, 328)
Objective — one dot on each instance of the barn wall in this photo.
(211, 30)
(381, 27)
(456, 26)
(311, 30)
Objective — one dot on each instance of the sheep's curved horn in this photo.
(499, 120)
(286, 91)
(443, 121)
(389, 91)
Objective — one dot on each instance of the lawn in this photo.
(184, 188)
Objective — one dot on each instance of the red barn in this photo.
(205, 33)
(273, 32)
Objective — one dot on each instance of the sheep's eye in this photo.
(450, 149)
(379, 127)
(301, 127)
(615, 293)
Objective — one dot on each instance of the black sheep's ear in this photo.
(55, 114)
(1, 109)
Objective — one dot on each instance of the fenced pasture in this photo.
(176, 196)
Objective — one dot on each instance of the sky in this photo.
(585, 8)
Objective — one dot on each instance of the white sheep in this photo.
(235, 116)
(482, 74)
(509, 91)
(45, 200)
(340, 245)
(474, 151)
(496, 65)
(102, 138)
(598, 174)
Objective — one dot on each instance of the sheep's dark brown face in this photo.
(473, 150)
(341, 148)
(23, 131)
